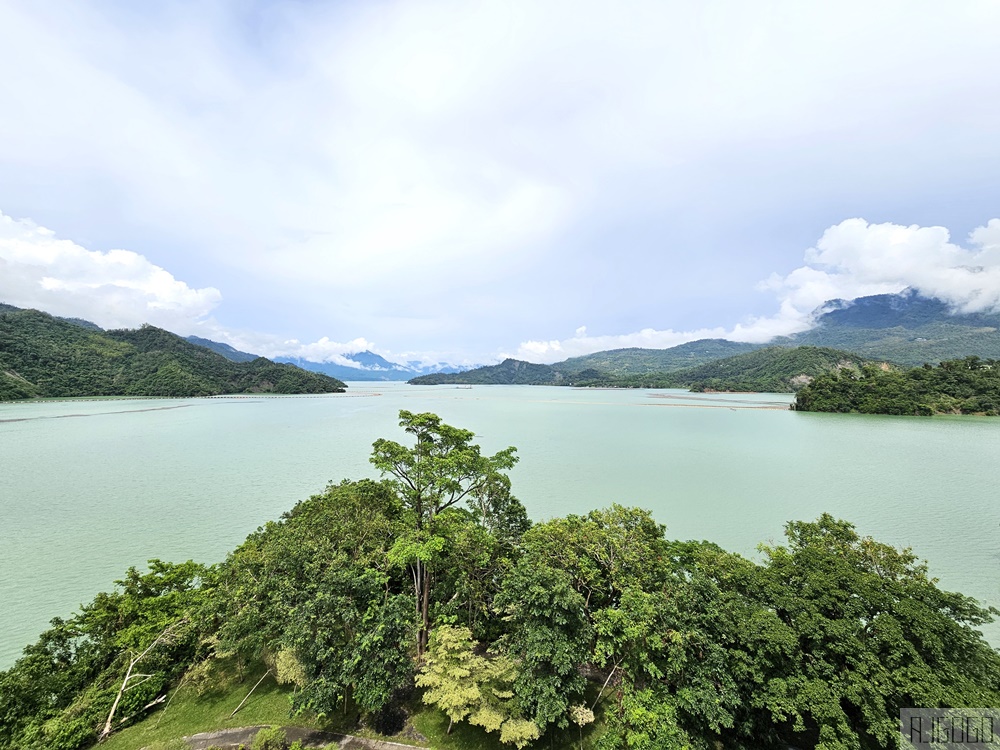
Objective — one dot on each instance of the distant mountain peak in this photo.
(370, 366)
(907, 309)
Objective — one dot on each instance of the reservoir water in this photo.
(89, 488)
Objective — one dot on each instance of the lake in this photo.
(91, 487)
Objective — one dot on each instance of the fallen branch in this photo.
(160, 717)
(605, 684)
(249, 694)
(149, 705)
(161, 638)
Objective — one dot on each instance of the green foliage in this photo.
(548, 638)
(317, 585)
(774, 369)
(466, 685)
(63, 686)
(442, 469)
(270, 738)
(45, 356)
(967, 386)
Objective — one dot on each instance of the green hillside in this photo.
(904, 328)
(774, 369)
(599, 368)
(931, 342)
(227, 351)
(43, 356)
(508, 372)
(635, 361)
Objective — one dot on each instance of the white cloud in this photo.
(852, 259)
(117, 288)
(323, 350)
(406, 152)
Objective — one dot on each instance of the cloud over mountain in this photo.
(117, 288)
(852, 259)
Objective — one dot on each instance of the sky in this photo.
(464, 181)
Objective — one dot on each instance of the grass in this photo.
(191, 712)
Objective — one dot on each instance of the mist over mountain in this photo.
(370, 367)
(905, 328)
(227, 351)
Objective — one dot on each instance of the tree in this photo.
(549, 639)
(464, 684)
(318, 584)
(443, 469)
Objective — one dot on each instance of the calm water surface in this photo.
(89, 488)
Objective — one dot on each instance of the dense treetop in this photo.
(44, 356)
(432, 587)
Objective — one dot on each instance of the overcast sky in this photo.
(464, 180)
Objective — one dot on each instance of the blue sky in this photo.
(466, 180)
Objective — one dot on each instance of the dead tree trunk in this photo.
(161, 638)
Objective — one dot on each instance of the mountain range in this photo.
(45, 356)
(370, 366)
(902, 329)
(899, 329)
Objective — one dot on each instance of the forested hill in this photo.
(227, 351)
(966, 386)
(508, 372)
(599, 366)
(635, 361)
(773, 370)
(44, 356)
(904, 328)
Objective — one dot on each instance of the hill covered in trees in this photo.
(44, 356)
(902, 328)
(378, 601)
(966, 386)
(635, 361)
(508, 372)
(771, 369)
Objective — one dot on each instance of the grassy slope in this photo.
(191, 712)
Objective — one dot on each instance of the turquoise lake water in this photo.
(89, 488)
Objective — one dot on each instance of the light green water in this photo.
(88, 488)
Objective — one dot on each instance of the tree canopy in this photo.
(962, 386)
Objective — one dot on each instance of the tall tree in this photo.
(443, 469)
